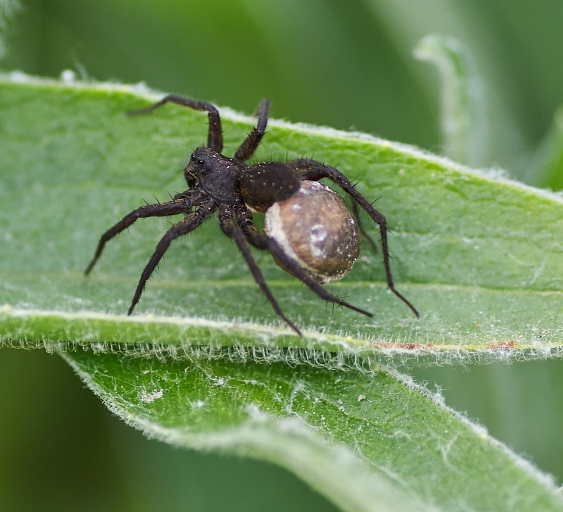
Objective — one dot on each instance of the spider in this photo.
(308, 229)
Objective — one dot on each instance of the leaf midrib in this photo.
(178, 284)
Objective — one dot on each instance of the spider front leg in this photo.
(166, 209)
(252, 141)
(215, 136)
(312, 170)
(185, 226)
(232, 229)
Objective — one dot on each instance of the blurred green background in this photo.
(342, 63)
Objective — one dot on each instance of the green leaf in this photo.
(479, 256)
(364, 439)
(218, 370)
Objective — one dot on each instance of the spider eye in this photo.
(198, 160)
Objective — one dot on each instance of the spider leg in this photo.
(189, 223)
(215, 136)
(264, 242)
(252, 141)
(356, 212)
(312, 170)
(175, 207)
(233, 230)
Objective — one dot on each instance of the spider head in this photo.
(198, 166)
(214, 173)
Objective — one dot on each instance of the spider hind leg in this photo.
(264, 242)
(312, 170)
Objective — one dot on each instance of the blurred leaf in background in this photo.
(342, 64)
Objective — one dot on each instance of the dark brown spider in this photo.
(308, 229)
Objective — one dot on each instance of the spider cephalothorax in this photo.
(308, 229)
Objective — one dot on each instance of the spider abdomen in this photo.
(316, 229)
